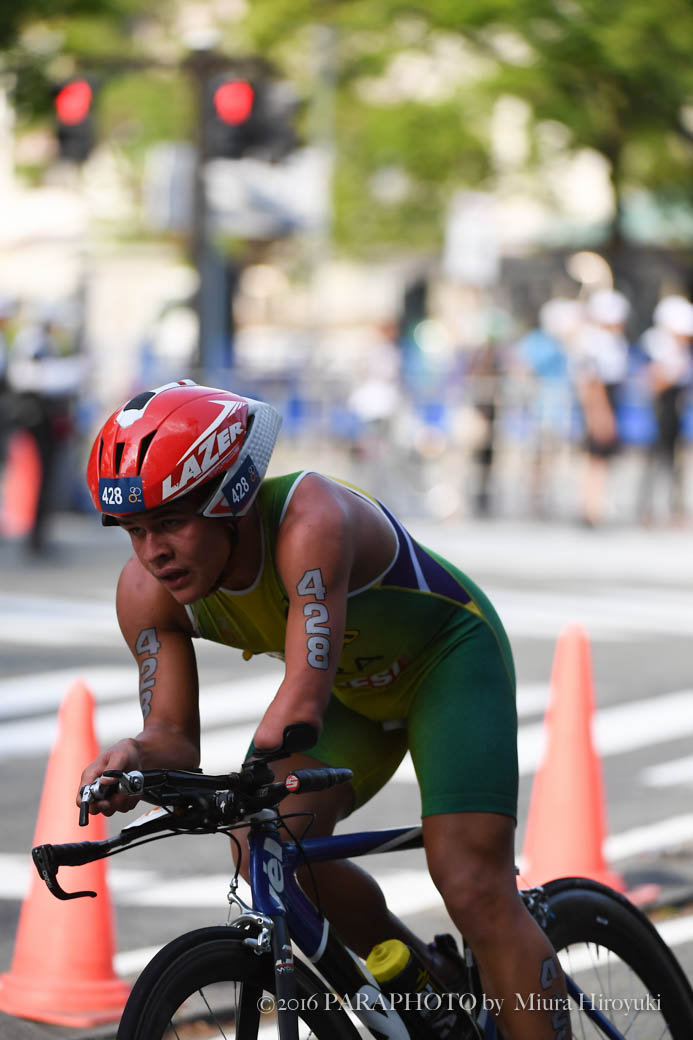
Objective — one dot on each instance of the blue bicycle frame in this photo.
(278, 897)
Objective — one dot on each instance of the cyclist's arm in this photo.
(159, 635)
(315, 553)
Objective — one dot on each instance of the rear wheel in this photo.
(208, 985)
(617, 959)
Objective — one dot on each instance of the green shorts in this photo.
(461, 729)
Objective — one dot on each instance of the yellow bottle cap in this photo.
(387, 959)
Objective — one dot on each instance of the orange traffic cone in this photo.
(21, 485)
(62, 968)
(566, 826)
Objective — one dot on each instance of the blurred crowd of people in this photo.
(580, 352)
(42, 373)
(434, 427)
(576, 387)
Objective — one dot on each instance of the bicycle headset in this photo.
(165, 443)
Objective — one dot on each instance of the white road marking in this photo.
(529, 550)
(37, 692)
(669, 835)
(131, 962)
(57, 621)
(532, 698)
(641, 611)
(629, 726)
(240, 701)
(408, 891)
(668, 774)
(231, 710)
(633, 614)
(675, 932)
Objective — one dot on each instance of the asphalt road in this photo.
(629, 588)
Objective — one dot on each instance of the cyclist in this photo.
(387, 647)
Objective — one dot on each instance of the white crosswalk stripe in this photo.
(27, 620)
(610, 615)
(57, 621)
(409, 891)
(613, 587)
(236, 705)
(230, 711)
(675, 933)
(667, 774)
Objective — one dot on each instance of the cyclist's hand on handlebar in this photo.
(124, 755)
(277, 723)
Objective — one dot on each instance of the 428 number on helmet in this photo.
(121, 494)
(239, 490)
(112, 496)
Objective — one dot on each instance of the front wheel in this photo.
(619, 962)
(207, 985)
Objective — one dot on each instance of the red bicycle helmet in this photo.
(166, 442)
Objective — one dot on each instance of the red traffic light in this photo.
(234, 101)
(73, 101)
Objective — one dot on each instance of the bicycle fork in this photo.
(267, 885)
(281, 903)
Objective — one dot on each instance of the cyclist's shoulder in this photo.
(291, 496)
(274, 495)
(333, 522)
(327, 506)
(141, 601)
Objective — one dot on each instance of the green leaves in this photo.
(403, 91)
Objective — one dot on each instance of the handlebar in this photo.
(300, 736)
(188, 801)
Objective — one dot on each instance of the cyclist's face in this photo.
(184, 551)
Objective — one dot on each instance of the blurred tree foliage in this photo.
(122, 46)
(403, 91)
(17, 15)
(616, 77)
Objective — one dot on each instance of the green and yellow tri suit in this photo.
(425, 666)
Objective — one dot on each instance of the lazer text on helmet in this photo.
(204, 455)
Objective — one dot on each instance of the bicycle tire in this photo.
(599, 935)
(161, 1005)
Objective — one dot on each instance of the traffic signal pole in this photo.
(242, 110)
(213, 302)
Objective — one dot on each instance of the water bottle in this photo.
(428, 1012)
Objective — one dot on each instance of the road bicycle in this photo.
(242, 980)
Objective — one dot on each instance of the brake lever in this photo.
(44, 861)
(91, 793)
(131, 783)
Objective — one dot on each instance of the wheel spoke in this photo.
(213, 1017)
(618, 992)
(618, 961)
